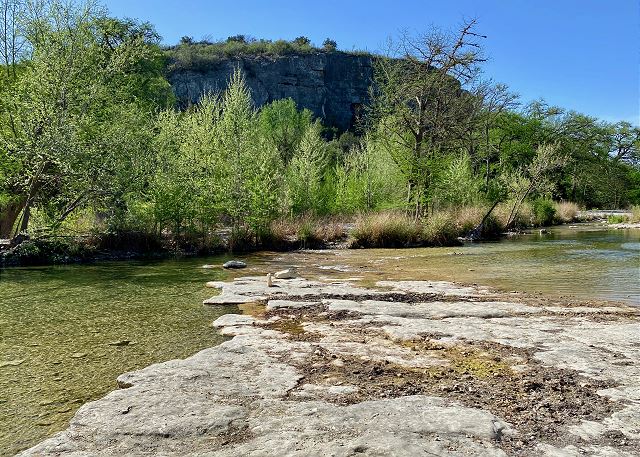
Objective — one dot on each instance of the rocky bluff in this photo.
(334, 86)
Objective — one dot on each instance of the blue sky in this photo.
(582, 55)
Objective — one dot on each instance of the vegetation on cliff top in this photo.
(90, 143)
(201, 55)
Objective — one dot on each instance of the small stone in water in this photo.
(11, 363)
(78, 355)
(119, 343)
(234, 264)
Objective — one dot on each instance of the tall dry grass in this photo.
(440, 229)
(522, 219)
(304, 232)
(385, 230)
(566, 212)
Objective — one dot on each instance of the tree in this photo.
(86, 75)
(237, 39)
(533, 178)
(284, 126)
(625, 144)
(419, 105)
(306, 171)
(329, 45)
(302, 41)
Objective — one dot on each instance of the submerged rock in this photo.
(11, 363)
(119, 343)
(289, 273)
(234, 264)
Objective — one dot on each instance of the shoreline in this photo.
(90, 257)
(403, 368)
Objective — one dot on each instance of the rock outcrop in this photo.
(410, 368)
(334, 86)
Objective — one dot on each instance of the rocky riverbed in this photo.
(405, 368)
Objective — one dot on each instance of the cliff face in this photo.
(334, 86)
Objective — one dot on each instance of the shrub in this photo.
(302, 41)
(617, 219)
(566, 211)
(42, 251)
(635, 214)
(492, 227)
(241, 239)
(329, 45)
(303, 232)
(543, 211)
(385, 230)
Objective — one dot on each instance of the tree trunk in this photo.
(8, 216)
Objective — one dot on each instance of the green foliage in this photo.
(202, 55)
(617, 219)
(283, 126)
(440, 230)
(543, 211)
(89, 138)
(329, 45)
(306, 172)
(458, 185)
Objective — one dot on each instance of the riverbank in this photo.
(377, 230)
(400, 368)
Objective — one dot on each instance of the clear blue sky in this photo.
(579, 54)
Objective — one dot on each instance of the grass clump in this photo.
(385, 230)
(440, 230)
(303, 232)
(522, 219)
(566, 212)
(635, 214)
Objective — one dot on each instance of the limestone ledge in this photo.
(408, 368)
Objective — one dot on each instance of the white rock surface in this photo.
(255, 395)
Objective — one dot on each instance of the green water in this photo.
(584, 262)
(56, 323)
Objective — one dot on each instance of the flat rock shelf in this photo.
(407, 368)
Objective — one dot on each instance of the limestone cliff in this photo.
(334, 86)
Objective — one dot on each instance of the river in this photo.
(64, 329)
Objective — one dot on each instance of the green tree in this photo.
(284, 126)
(306, 171)
(329, 45)
(419, 108)
(86, 75)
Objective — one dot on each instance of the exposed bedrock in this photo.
(334, 86)
(404, 369)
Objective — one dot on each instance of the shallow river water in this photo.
(58, 325)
